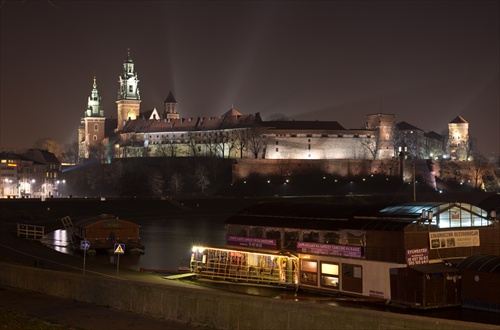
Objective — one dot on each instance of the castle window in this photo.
(96, 127)
(130, 88)
(95, 138)
(276, 142)
(309, 146)
(276, 149)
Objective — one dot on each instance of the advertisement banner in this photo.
(454, 239)
(252, 242)
(330, 249)
(417, 257)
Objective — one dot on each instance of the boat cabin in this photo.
(104, 231)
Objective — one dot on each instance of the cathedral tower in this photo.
(129, 100)
(92, 125)
(170, 107)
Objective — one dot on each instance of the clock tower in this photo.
(129, 100)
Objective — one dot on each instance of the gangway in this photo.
(70, 229)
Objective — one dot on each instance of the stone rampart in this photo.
(213, 309)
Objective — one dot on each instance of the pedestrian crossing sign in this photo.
(119, 248)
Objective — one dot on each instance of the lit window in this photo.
(330, 275)
(309, 269)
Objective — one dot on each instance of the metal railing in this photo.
(33, 232)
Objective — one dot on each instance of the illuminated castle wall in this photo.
(137, 133)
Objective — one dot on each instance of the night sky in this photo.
(425, 61)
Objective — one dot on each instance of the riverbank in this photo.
(56, 274)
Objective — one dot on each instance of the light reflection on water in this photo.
(166, 241)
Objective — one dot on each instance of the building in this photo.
(151, 133)
(35, 173)
(458, 139)
(402, 253)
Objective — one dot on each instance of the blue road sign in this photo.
(84, 245)
(119, 248)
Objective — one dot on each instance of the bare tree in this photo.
(70, 153)
(409, 143)
(167, 148)
(479, 168)
(470, 148)
(223, 142)
(371, 144)
(192, 143)
(210, 142)
(256, 140)
(201, 177)
(241, 140)
(176, 182)
(50, 145)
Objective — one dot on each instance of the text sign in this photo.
(119, 248)
(453, 239)
(251, 242)
(417, 256)
(330, 249)
(84, 245)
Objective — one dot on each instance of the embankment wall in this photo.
(210, 308)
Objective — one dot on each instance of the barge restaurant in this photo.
(407, 254)
(104, 231)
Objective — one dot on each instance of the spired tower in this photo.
(129, 100)
(170, 107)
(458, 138)
(92, 125)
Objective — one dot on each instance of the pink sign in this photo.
(417, 256)
(251, 242)
(330, 249)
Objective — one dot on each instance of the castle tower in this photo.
(170, 107)
(129, 100)
(385, 124)
(91, 130)
(458, 138)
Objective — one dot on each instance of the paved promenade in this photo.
(67, 312)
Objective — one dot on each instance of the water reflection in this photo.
(166, 241)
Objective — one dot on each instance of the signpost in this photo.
(119, 249)
(84, 245)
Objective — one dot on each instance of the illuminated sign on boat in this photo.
(330, 249)
(252, 242)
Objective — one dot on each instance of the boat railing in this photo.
(247, 273)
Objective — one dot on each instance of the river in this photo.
(167, 241)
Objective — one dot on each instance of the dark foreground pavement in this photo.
(61, 313)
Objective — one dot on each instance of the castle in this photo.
(156, 133)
